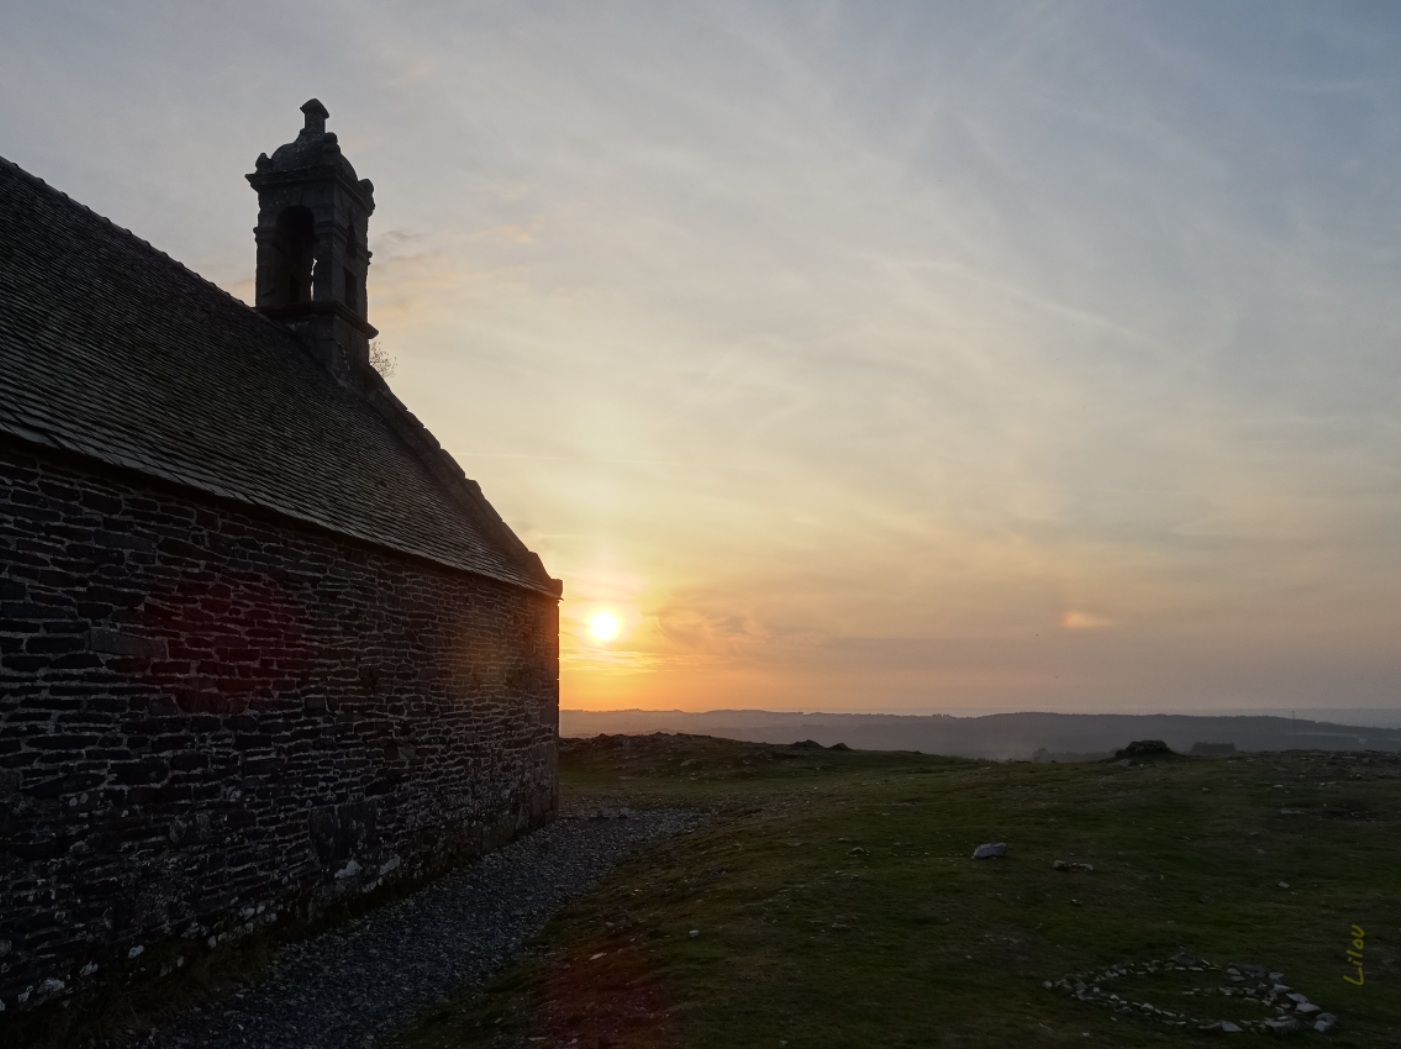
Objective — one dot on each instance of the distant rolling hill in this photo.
(998, 736)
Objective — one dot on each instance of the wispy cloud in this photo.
(1003, 353)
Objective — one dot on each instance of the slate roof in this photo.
(113, 350)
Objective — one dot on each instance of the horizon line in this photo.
(974, 712)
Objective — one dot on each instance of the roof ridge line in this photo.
(48, 187)
(409, 428)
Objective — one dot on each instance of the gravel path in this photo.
(365, 979)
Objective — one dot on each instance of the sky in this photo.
(853, 356)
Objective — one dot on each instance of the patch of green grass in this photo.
(836, 903)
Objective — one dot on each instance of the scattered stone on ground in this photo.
(1066, 865)
(990, 851)
(1269, 990)
(602, 812)
(366, 978)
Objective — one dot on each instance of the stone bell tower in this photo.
(313, 214)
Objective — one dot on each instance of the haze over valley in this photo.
(1045, 736)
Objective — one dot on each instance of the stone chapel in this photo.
(263, 646)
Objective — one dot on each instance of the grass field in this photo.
(830, 900)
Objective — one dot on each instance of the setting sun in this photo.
(603, 626)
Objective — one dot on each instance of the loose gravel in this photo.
(365, 979)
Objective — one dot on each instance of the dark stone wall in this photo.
(213, 720)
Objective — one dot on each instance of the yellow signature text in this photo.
(1354, 956)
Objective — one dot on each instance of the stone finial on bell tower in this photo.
(316, 116)
(313, 218)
